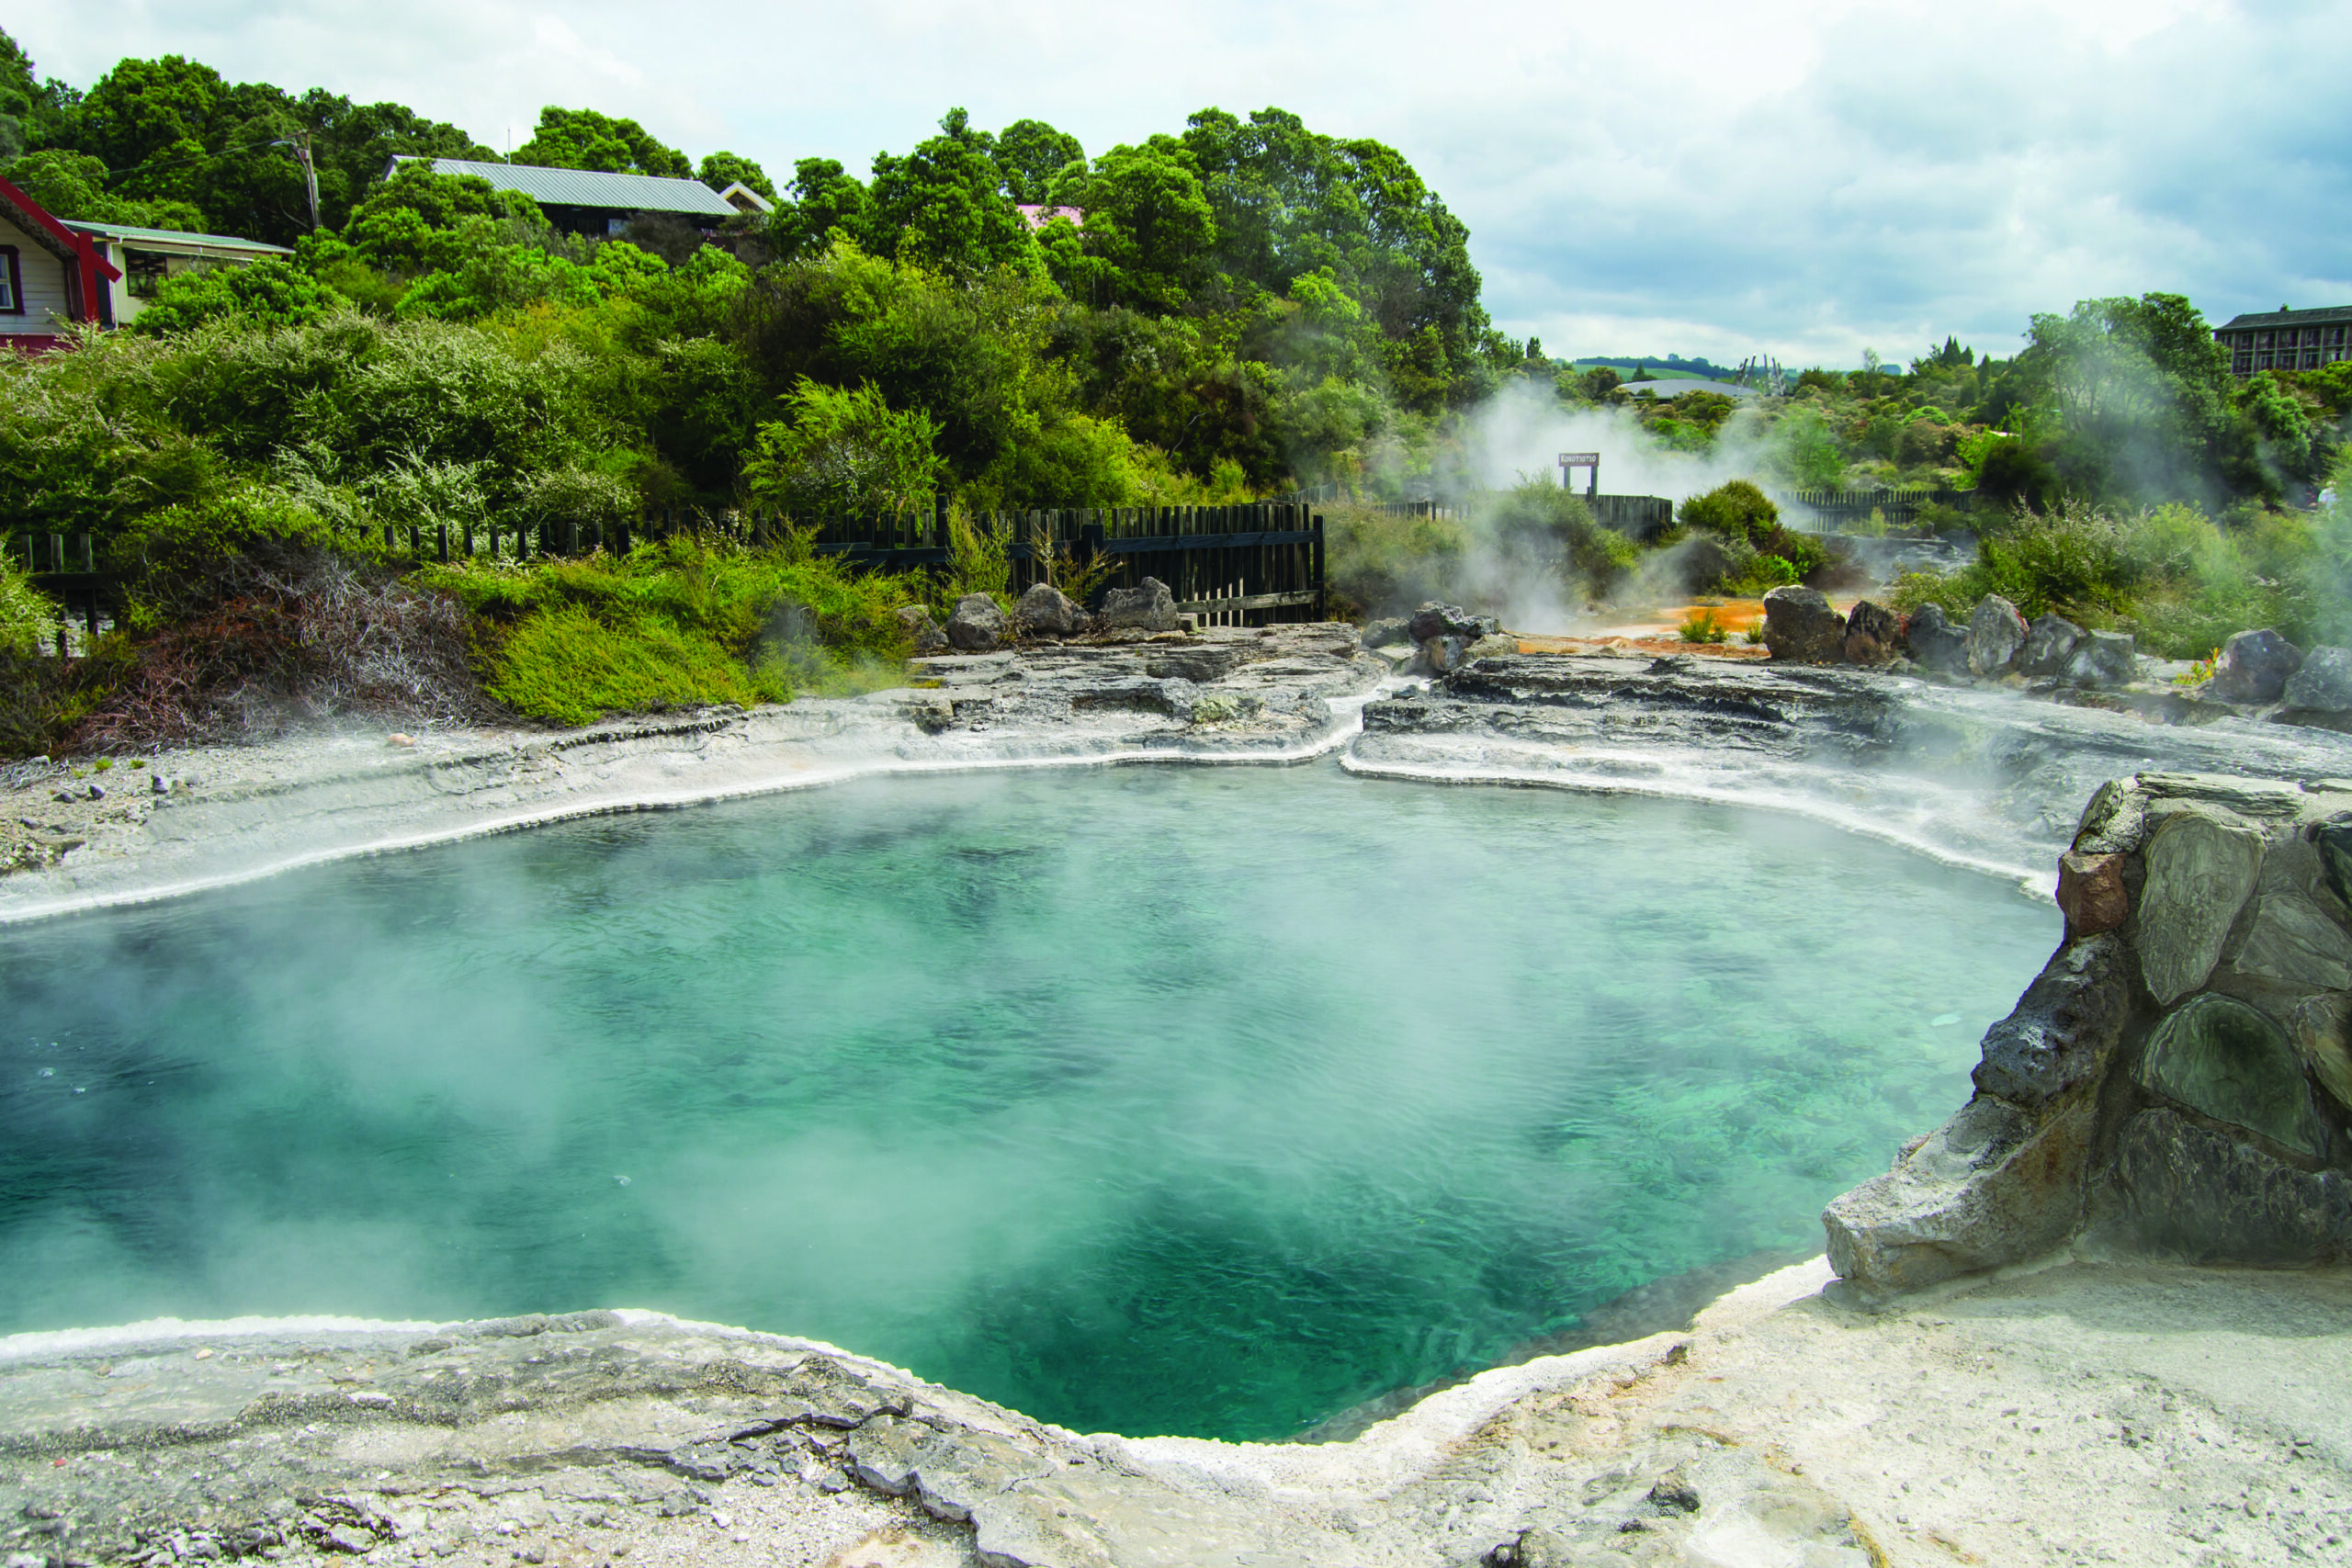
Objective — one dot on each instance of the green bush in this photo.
(1377, 562)
(1737, 510)
(2179, 580)
(25, 613)
(678, 623)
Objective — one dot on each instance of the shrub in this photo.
(279, 633)
(845, 450)
(1704, 626)
(1377, 562)
(1737, 511)
(678, 623)
(25, 613)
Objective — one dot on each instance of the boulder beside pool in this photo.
(1801, 629)
(2177, 1081)
(1146, 607)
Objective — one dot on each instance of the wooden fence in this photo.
(1243, 565)
(1246, 565)
(1836, 511)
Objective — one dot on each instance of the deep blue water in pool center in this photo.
(1150, 1100)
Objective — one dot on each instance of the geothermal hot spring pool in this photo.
(1201, 1101)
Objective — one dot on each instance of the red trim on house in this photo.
(84, 267)
(31, 342)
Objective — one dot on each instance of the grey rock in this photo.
(2103, 661)
(1997, 634)
(2202, 865)
(2114, 822)
(1434, 619)
(2321, 1028)
(1494, 644)
(1991, 1186)
(1801, 629)
(1443, 655)
(1673, 1493)
(1383, 633)
(158, 785)
(2322, 682)
(1874, 635)
(2247, 797)
(2065, 1028)
(1147, 606)
(1045, 609)
(2254, 668)
(924, 633)
(2190, 1191)
(2294, 944)
(1937, 645)
(2224, 1059)
(1213, 662)
(2049, 643)
(98, 791)
(978, 625)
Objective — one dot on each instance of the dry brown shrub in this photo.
(283, 638)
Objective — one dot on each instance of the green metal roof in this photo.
(123, 234)
(586, 187)
(2289, 317)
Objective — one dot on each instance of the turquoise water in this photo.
(1193, 1100)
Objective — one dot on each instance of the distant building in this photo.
(142, 258)
(51, 277)
(583, 201)
(1037, 215)
(2287, 340)
(743, 198)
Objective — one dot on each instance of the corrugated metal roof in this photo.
(126, 235)
(586, 187)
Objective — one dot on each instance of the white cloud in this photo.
(1710, 176)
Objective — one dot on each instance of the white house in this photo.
(142, 258)
(51, 277)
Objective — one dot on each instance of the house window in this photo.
(142, 271)
(12, 282)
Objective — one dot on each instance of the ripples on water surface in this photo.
(1199, 1100)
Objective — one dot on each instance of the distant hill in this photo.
(1666, 367)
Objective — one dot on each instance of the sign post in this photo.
(1590, 461)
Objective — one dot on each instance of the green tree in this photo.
(1286, 201)
(825, 197)
(410, 223)
(943, 205)
(72, 185)
(583, 139)
(1029, 153)
(1147, 220)
(2142, 401)
(720, 170)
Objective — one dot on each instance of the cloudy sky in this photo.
(1704, 177)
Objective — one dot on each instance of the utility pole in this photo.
(309, 175)
(301, 142)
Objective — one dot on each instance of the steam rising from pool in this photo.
(1198, 1101)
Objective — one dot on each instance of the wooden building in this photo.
(583, 201)
(52, 278)
(2287, 340)
(142, 258)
